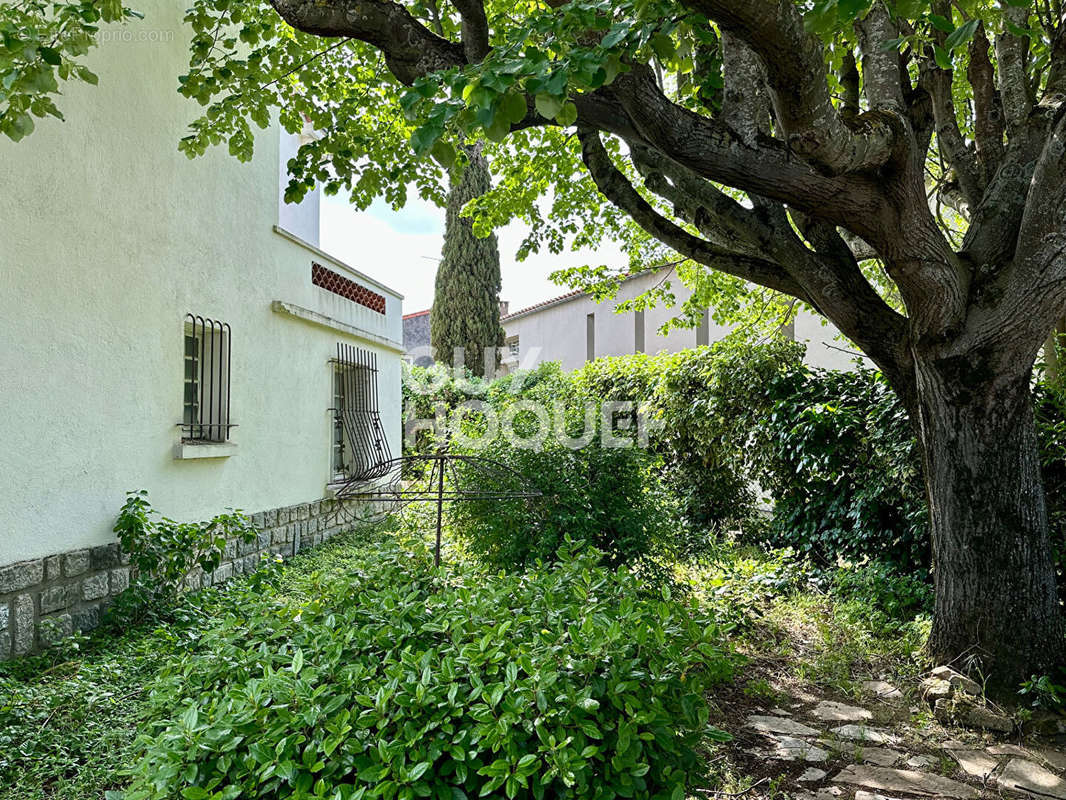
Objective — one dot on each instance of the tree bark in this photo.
(997, 607)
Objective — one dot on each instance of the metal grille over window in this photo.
(360, 448)
(206, 398)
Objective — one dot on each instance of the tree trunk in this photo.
(997, 608)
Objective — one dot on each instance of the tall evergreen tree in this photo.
(466, 303)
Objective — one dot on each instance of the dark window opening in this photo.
(206, 381)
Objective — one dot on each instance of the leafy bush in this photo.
(401, 682)
(884, 590)
(609, 496)
(710, 401)
(163, 552)
(837, 455)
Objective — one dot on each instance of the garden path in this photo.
(938, 738)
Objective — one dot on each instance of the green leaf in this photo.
(548, 106)
(961, 35)
(514, 107)
(50, 56)
(942, 56)
(567, 114)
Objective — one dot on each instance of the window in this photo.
(638, 331)
(513, 349)
(590, 337)
(360, 450)
(340, 462)
(206, 381)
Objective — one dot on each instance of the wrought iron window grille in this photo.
(360, 448)
(206, 382)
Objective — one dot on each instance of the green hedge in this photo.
(401, 682)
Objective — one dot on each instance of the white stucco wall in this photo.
(109, 237)
(556, 331)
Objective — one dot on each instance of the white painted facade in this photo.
(574, 328)
(108, 238)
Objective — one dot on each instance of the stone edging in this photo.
(45, 599)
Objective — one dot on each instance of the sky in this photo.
(402, 250)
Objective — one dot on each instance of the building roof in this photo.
(565, 298)
(414, 314)
(544, 304)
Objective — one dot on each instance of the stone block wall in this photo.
(46, 599)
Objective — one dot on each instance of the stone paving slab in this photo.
(812, 774)
(1055, 758)
(975, 762)
(862, 733)
(1025, 776)
(883, 690)
(831, 711)
(881, 756)
(908, 781)
(787, 748)
(1007, 750)
(782, 725)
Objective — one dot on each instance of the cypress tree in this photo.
(466, 303)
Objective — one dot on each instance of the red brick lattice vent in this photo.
(334, 282)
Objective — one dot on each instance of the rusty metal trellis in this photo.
(441, 478)
(375, 477)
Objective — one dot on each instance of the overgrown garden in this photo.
(604, 639)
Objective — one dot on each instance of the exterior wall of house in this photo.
(416, 339)
(110, 237)
(557, 330)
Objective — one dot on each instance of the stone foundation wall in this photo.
(48, 598)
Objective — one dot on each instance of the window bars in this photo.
(207, 380)
(364, 449)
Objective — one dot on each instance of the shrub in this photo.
(837, 455)
(402, 682)
(710, 400)
(163, 552)
(607, 495)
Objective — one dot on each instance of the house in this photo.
(416, 346)
(167, 325)
(573, 328)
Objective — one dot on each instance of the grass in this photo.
(69, 718)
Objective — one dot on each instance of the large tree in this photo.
(466, 300)
(897, 165)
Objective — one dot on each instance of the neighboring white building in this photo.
(116, 254)
(574, 328)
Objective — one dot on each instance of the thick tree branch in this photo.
(796, 75)
(988, 111)
(1056, 79)
(953, 147)
(411, 49)
(849, 79)
(882, 81)
(616, 188)
(716, 152)
(475, 29)
(1012, 55)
